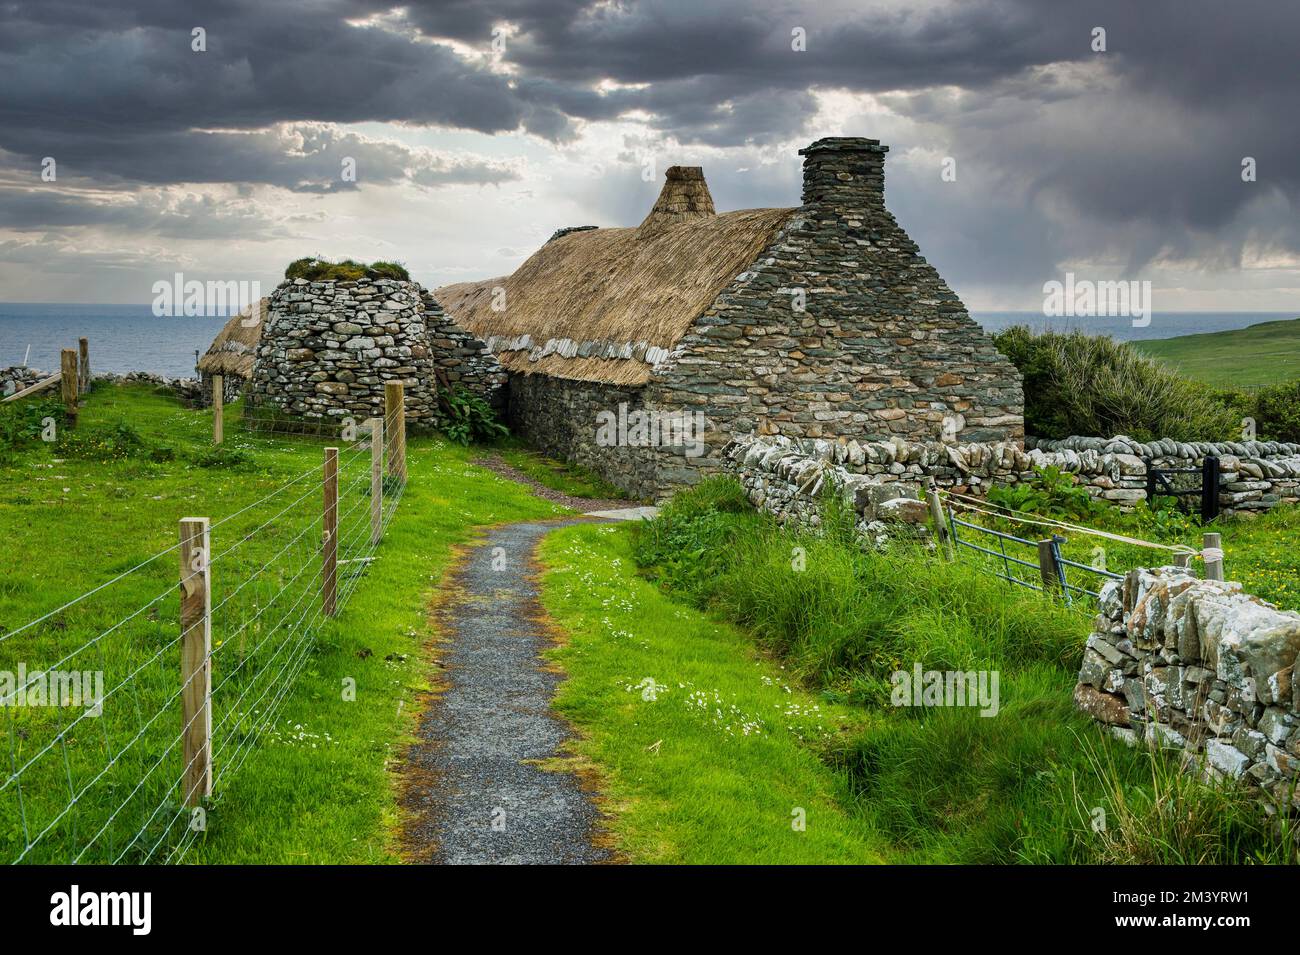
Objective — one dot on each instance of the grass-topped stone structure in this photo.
(336, 332)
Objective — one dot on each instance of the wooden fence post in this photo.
(1183, 560)
(68, 367)
(196, 666)
(395, 415)
(1212, 551)
(329, 538)
(936, 516)
(1049, 571)
(218, 409)
(376, 479)
(83, 380)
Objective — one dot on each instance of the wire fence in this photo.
(1040, 563)
(99, 699)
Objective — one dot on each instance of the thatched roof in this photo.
(234, 349)
(607, 304)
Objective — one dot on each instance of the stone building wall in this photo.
(330, 347)
(1191, 664)
(459, 359)
(881, 347)
(560, 418)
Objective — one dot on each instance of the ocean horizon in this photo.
(127, 338)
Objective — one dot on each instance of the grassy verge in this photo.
(75, 513)
(705, 753)
(942, 783)
(567, 478)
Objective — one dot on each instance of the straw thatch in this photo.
(605, 305)
(234, 349)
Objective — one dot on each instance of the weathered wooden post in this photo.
(395, 416)
(330, 534)
(84, 366)
(1183, 560)
(1212, 552)
(68, 370)
(936, 516)
(376, 479)
(218, 409)
(196, 666)
(1049, 571)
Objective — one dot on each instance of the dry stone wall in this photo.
(1254, 476)
(1182, 663)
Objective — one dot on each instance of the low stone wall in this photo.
(18, 377)
(780, 478)
(1254, 475)
(1198, 665)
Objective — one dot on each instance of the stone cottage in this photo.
(329, 347)
(232, 353)
(637, 352)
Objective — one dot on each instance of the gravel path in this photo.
(473, 794)
(495, 464)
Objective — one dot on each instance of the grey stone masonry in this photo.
(18, 377)
(329, 348)
(1254, 476)
(840, 328)
(459, 359)
(1197, 665)
(559, 417)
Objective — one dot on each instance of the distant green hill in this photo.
(1249, 357)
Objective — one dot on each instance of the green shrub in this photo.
(116, 442)
(20, 423)
(222, 456)
(1276, 410)
(465, 417)
(1052, 493)
(316, 269)
(1092, 385)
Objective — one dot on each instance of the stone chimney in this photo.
(685, 197)
(844, 172)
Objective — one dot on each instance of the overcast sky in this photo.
(477, 128)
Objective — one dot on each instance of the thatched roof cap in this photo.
(684, 198)
(234, 349)
(607, 304)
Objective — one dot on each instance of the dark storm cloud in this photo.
(1148, 136)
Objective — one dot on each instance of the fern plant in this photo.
(466, 418)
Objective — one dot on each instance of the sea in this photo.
(126, 338)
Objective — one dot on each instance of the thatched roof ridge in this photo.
(234, 349)
(581, 294)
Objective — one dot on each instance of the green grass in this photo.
(1251, 357)
(317, 786)
(680, 775)
(936, 784)
(571, 479)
